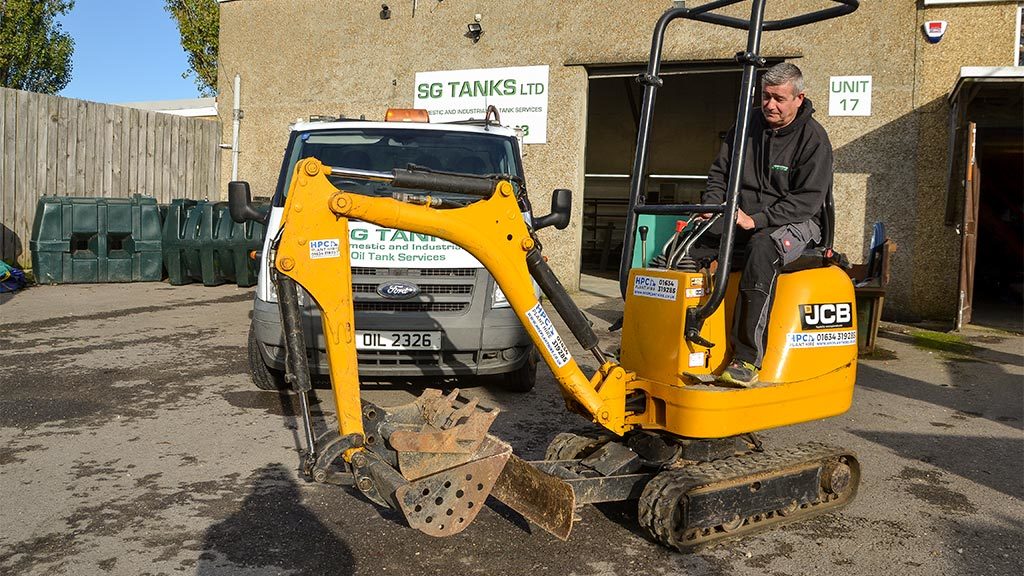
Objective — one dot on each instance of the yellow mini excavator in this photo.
(670, 438)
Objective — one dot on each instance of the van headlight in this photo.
(301, 292)
(499, 301)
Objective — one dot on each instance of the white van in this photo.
(423, 306)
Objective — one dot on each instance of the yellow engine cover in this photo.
(808, 370)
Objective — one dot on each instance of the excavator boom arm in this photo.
(313, 250)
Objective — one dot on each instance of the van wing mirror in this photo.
(561, 206)
(240, 203)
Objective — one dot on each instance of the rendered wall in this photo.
(977, 35)
(302, 57)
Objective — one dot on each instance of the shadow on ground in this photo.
(273, 529)
(981, 390)
(992, 462)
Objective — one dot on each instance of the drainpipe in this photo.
(236, 116)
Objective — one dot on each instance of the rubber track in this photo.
(569, 446)
(661, 497)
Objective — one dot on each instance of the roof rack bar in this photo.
(705, 13)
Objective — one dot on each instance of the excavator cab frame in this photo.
(751, 60)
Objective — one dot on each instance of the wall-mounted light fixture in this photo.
(474, 29)
(385, 12)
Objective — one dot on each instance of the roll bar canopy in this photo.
(750, 59)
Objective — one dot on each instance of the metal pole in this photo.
(695, 317)
(650, 81)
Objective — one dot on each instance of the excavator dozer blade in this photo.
(541, 498)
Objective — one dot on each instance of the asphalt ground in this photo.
(132, 442)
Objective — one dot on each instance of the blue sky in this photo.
(126, 51)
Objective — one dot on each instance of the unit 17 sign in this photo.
(849, 96)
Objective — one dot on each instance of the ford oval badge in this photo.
(398, 290)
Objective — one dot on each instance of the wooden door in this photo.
(969, 228)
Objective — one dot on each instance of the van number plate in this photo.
(389, 340)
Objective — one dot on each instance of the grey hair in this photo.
(783, 73)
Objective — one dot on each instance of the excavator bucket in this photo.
(434, 460)
(447, 501)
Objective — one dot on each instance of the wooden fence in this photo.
(62, 147)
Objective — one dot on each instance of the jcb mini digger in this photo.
(670, 437)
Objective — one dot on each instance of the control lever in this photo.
(643, 245)
(676, 246)
(694, 324)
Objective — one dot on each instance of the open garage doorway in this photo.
(694, 109)
(999, 262)
(987, 195)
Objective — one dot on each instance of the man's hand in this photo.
(744, 221)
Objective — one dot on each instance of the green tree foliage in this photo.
(199, 25)
(35, 53)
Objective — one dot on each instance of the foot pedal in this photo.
(709, 379)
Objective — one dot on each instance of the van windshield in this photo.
(384, 149)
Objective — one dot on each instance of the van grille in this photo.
(450, 290)
(407, 272)
(449, 272)
(433, 289)
(390, 358)
(426, 358)
(388, 306)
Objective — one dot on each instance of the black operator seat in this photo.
(822, 255)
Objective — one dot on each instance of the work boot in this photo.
(740, 374)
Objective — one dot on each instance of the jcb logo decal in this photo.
(821, 316)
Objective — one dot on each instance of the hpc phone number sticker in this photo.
(552, 341)
(821, 339)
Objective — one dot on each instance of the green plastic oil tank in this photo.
(202, 244)
(87, 240)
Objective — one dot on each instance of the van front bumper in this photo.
(496, 345)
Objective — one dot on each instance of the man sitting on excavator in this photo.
(783, 185)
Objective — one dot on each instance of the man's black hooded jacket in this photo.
(786, 173)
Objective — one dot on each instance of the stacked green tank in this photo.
(201, 243)
(93, 240)
(86, 240)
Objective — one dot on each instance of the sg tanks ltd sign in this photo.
(520, 94)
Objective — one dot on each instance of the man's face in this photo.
(779, 104)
